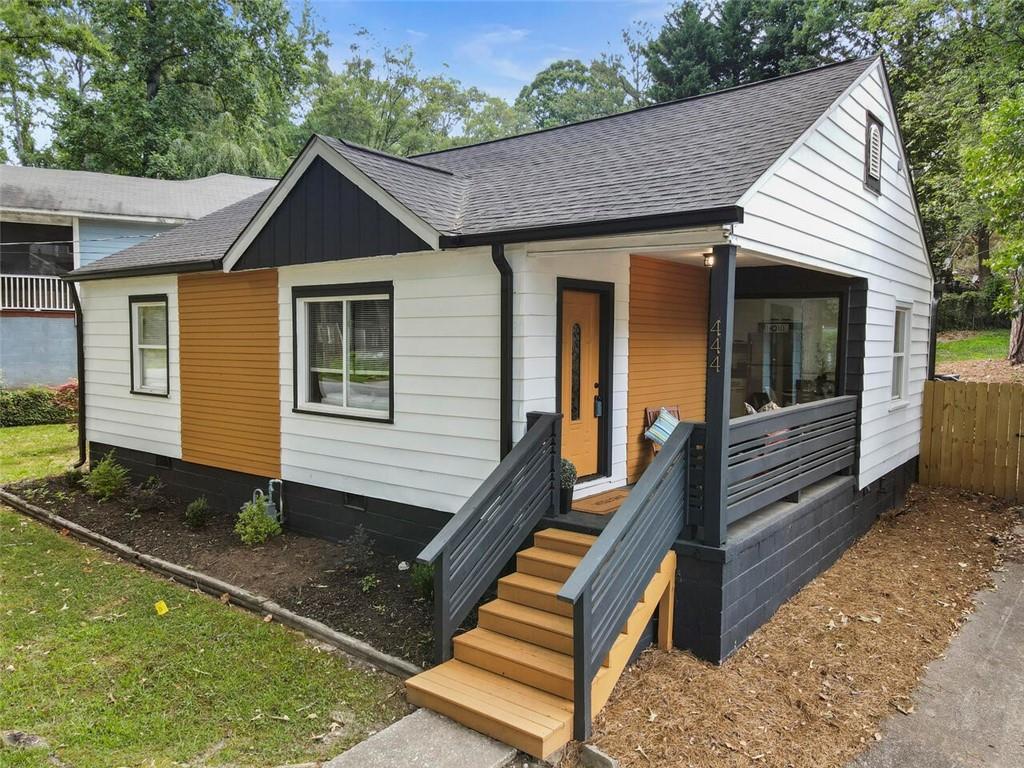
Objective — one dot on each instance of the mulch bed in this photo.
(810, 688)
(347, 585)
(997, 371)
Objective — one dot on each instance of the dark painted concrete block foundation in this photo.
(723, 594)
(399, 529)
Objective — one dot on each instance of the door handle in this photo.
(598, 407)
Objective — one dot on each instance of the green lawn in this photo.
(36, 451)
(87, 664)
(978, 345)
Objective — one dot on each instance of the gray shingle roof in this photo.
(85, 192)
(688, 155)
(685, 156)
(196, 244)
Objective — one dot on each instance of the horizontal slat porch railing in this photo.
(36, 293)
(776, 454)
(476, 544)
(610, 579)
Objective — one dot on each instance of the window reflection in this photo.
(785, 351)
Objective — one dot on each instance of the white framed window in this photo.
(343, 350)
(149, 359)
(900, 347)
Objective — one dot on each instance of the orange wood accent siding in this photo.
(230, 371)
(668, 316)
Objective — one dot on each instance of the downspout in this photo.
(933, 333)
(505, 432)
(80, 343)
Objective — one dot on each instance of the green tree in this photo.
(174, 69)
(951, 62)
(39, 41)
(994, 167)
(706, 45)
(381, 100)
(569, 90)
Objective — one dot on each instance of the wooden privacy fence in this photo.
(973, 437)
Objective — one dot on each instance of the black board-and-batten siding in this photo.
(325, 217)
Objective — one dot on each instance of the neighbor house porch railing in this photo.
(36, 293)
(773, 456)
(476, 544)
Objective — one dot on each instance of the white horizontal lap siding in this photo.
(113, 414)
(814, 211)
(535, 319)
(445, 437)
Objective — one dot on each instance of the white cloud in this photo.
(416, 35)
(490, 51)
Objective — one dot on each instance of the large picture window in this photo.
(149, 361)
(343, 340)
(785, 352)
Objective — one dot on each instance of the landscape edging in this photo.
(213, 586)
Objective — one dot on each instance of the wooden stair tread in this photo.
(564, 541)
(550, 556)
(533, 583)
(519, 651)
(533, 617)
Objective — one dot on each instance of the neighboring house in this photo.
(391, 337)
(53, 221)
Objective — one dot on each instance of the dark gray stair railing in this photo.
(611, 578)
(476, 544)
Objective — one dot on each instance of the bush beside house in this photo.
(972, 310)
(39, 405)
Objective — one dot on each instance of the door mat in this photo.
(603, 503)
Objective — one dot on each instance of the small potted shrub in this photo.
(568, 483)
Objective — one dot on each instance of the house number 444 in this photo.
(715, 347)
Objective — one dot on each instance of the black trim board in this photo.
(341, 290)
(325, 217)
(396, 528)
(606, 291)
(730, 214)
(80, 365)
(148, 299)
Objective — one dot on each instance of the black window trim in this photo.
(341, 290)
(149, 298)
(872, 184)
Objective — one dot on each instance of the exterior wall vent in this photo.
(873, 154)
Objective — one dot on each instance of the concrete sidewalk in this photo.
(969, 708)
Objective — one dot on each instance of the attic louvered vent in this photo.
(873, 155)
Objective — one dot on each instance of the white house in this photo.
(389, 336)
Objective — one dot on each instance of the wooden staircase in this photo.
(512, 677)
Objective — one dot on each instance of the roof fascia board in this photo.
(90, 215)
(153, 269)
(317, 147)
(724, 215)
(754, 188)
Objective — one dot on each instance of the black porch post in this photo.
(721, 292)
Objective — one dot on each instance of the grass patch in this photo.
(27, 452)
(973, 345)
(87, 664)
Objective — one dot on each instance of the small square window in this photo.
(149, 358)
(343, 352)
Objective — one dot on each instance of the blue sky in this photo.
(496, 46)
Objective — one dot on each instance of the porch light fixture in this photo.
(709, 260)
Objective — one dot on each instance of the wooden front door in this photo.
(580, 360)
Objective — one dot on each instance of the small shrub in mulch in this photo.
(809, 689)
(348, 585)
